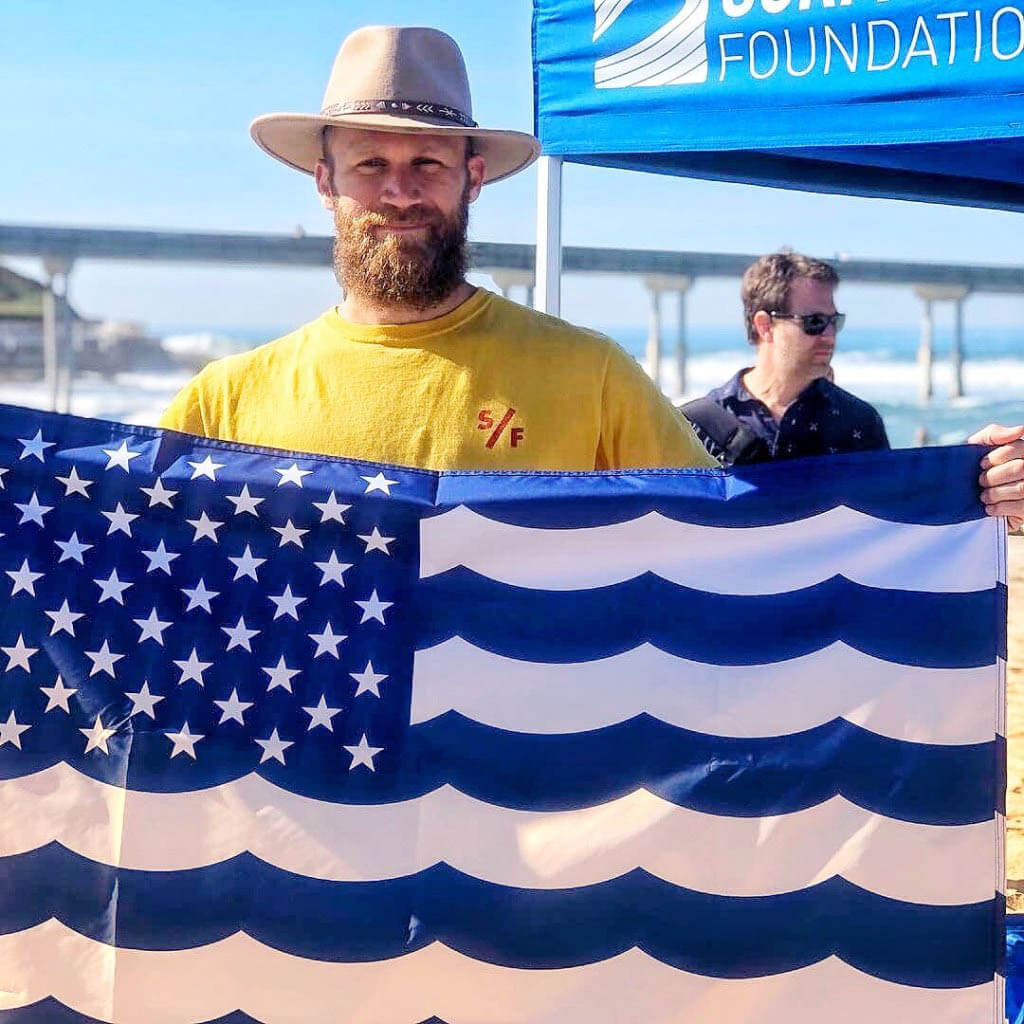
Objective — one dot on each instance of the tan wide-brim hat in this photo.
(395, 80)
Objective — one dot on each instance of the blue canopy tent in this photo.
(909, 99)
(896, 98)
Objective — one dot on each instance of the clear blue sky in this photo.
(136, 115)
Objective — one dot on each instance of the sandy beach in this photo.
(1015, 732)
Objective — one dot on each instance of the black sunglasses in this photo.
(814, 323)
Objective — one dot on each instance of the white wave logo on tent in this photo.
(674, 54)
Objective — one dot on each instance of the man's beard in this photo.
(396, 270)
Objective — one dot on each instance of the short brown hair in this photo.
(767, 282)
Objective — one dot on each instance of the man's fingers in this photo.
(1003, 473)
(996, 433)
(1011, 509)
(1012, 494)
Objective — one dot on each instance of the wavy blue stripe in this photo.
(739, 777)
(935, 630)
(736, 776)
(728, 937)
(52, 1011)
(941, 487)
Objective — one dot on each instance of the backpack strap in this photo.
(733, 442)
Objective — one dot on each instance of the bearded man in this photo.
(416, 366)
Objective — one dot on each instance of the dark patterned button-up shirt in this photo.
(823, 420)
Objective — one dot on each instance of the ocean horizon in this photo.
(879, 365)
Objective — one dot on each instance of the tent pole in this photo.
(548, 295)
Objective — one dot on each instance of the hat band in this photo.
(399, 107)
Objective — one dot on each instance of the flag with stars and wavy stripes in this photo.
(286, 738)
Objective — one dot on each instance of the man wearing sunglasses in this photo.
(785, 405)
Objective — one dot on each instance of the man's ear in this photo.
(763, 325)
(324, 185)
(476, 168)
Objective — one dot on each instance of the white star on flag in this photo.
(64, 619)
(333, 570)
(290, 534)
(112, 589)
(33, 512)
(18, 655)
(321, 715)
(103, 660)
(239, 636)
(96, 737)
(199, 596)
(368, 680)
(292, 475)
(24, 579)
(375, 542)
(327, 641)
(374, 608)
(363, 754)
(379, 483)
(192, 668)
(332, 509)
(144, 702)
(10, 731)
(152, 628)
(160, 558)
(281, 675)
(245, 502)
(287, 603)
(273, 747)
(246, 564)
(4, 472)
(184, 741)
(74, 484)
(120, 521)
(204, 527)
(72, 548)
(34, 446)
(158, 494)
(120, 457)
(207, 468)
(233, 709)
(57, 696)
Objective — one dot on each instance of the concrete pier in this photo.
(512, 266)
(57, 342)
(930, 294)
(657, 285)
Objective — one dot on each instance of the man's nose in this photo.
(400, 187)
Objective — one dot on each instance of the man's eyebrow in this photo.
(364, 151)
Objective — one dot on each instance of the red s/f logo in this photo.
(485, 421)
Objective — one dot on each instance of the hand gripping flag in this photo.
(285, 738)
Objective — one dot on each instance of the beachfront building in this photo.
(22, 317)
(102, 346)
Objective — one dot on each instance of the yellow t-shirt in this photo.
(491, 385)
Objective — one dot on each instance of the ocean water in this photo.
(878, 365)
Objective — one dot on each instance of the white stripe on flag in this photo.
(915, 863)
(238, 972)
(904, 702)
(954, 558)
